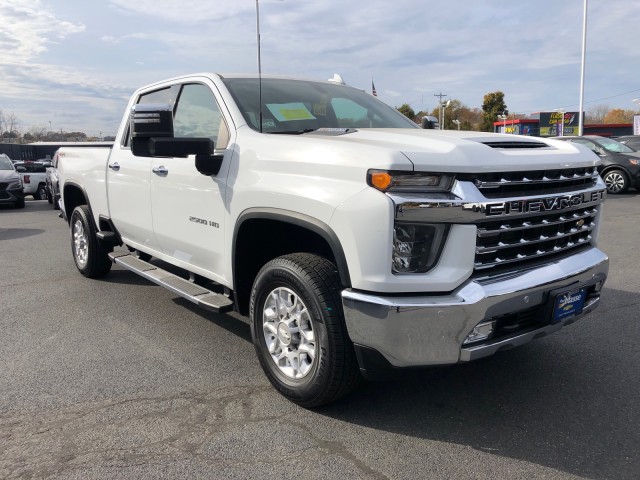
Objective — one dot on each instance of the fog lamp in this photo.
(480, 332)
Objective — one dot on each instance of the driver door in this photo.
(188, 208)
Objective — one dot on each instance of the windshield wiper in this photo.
(295, 132)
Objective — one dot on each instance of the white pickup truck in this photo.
(34, 175)
(357, 243)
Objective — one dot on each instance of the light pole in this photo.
(440, 118)
(503, 117)
(561, 128)
(584, 54)
(457, 122)
(444, 105)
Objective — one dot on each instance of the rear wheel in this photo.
(298, 330)
(90, 256)
(616, 181)
(41, 193)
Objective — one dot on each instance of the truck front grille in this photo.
(3, 186)
(512, 240)
(525, 238)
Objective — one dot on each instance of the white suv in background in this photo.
(10, 183)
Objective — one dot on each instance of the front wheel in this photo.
(616, 181)
(91, 257)
(298, 330)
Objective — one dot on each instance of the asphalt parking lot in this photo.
(119, 378)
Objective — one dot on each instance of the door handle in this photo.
(114, 166)
(161, 170)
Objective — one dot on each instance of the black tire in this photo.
(312, 282)
(41, 193)
(20, 203)
(89, 255)
(616, 180)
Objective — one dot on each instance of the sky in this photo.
(71, 65)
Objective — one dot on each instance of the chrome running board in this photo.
(194, 293)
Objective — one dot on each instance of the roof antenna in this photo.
(259, 65)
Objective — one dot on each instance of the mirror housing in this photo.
(171, 147)
(151, 120)
(430, 123)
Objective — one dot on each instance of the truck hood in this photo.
(456, 151)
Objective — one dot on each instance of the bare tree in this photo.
(11, 121)
(596, 114)
(38, 133)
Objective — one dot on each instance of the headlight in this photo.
(409, 182)
(417, 247)
(15, 184)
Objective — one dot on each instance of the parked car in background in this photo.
(34, 175)
(11, 191)
(620, 168)
(632, 141)
(51, 180)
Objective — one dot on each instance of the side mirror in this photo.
(430, 123)
(171, 147)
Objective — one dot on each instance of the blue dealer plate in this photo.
(569, 304)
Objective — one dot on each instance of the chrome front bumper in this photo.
(423, 330)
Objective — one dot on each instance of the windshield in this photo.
(298, 106)
(615, 146)
(5, 164)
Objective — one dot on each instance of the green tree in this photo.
(407, 111)
(469, 119)
(492, 106)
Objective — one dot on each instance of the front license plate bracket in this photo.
(568, 303)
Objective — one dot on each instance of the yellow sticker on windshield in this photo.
(287, 112)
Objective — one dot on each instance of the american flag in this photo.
(373, 89)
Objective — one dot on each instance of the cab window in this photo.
(197, 115)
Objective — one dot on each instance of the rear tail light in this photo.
(27, 179)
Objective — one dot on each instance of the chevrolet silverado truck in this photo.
(356, 242)
(34, 177)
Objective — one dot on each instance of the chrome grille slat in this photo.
(527, 224)
(530, 183)
(527, 181)
(540, 253)
(542, 239)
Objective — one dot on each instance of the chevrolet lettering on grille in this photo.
(541, 205)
